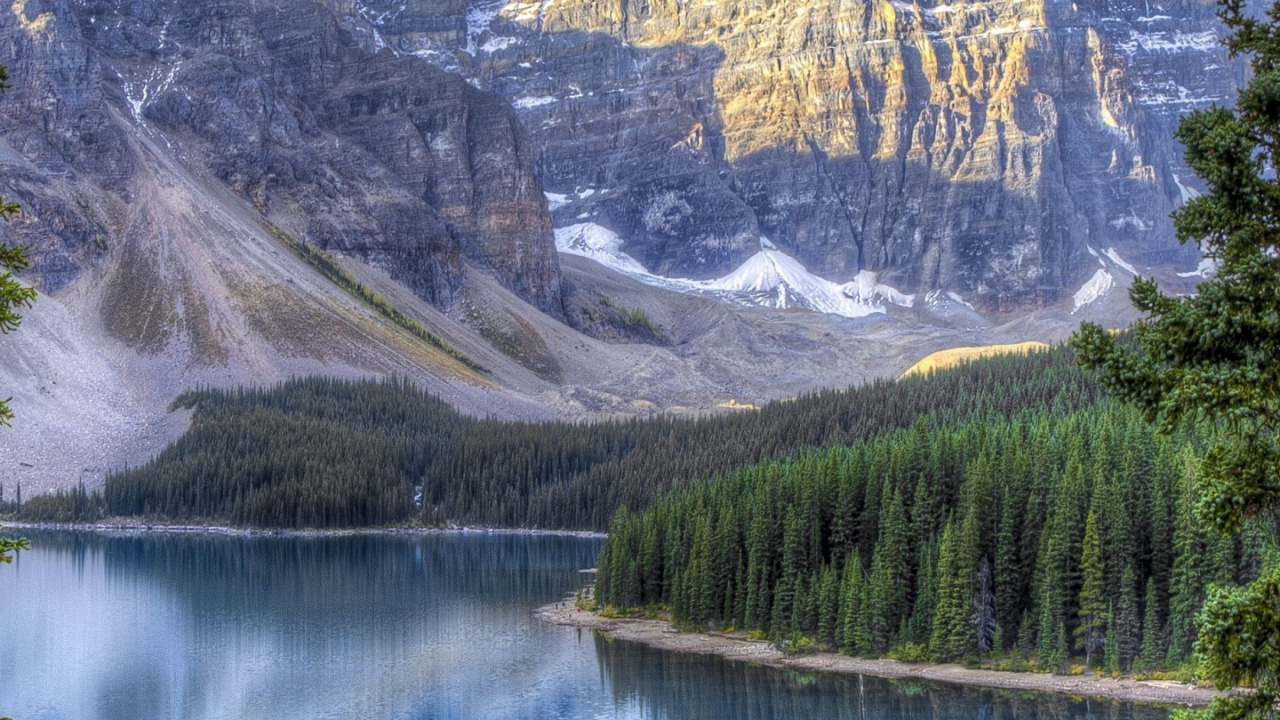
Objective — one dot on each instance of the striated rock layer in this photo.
(977, 147)
(384, 158)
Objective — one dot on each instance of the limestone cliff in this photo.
(384, 158)
(979, 147)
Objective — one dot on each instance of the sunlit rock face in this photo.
(978, 147)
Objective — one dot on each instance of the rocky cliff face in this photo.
(384, 158)
(978, 147)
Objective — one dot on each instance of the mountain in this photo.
(770, 278)
(238, 192)
(389, 160)
(977, 148)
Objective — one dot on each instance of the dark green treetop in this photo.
(1215, 356)
(13, 294)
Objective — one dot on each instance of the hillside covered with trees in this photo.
(1043, 536)
(331, 453)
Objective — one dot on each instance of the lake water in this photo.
(143, 627)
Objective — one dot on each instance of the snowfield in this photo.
(770, 278)
(1096, 287)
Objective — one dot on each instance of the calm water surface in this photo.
(139, 627)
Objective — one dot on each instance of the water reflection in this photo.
(160, 627)
(692, 687)
(212, 627)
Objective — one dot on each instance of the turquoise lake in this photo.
(437, 627)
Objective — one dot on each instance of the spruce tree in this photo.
(1151, 654)
(13, 294)
(1126, 629)
(953, 635)
(853, 614)
(888, 568)
(1111, 654)
(1091, 632)
(984, 610)
(828, 607)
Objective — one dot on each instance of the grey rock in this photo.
(980, 148)
(384, 158)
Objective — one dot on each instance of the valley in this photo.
(862, 336)
(159, 150)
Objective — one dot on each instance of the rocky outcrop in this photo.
(385, 158)
(978, 147)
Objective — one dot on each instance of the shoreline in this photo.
(659, 634)
(226, 530)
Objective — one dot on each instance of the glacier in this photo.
(770, 278)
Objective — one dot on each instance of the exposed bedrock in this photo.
(979, 147)
(385, 158)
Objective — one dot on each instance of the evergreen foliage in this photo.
(13, 294)
(332, 453)
(1214, 357)
(1093, 611)
(1017, 489)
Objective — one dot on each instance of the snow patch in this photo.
(1169, 42)
(138, 95)
(1114, 257)
(479, 18)
(497, 43)
(1207, 268)
(1131, 220)
(956, 297)
(529, 102)
(598, 243)
(864, 288)
(1096, 255)
(1096, 287)
(1188, 193)
(770, 278)
(555, 201)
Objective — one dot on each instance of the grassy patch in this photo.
(952, 357)
(634, 320)
(328, 266)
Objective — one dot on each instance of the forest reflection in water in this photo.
(669, 685)
(158, 626)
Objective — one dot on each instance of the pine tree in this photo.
(1151, 654)
(1187, 581)
(1126, 629)
(1215, 354)
(1052, 637)
(1010, 573)
(789, 587)
(920, 627)
(953, 635)
(1093, 603)
(984, 610)
(853, 611)
(828, 607)
(888, 568)
(698, 578)
(1111, 653)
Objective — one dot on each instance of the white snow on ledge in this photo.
(598, 243)
(1095, 288)
(523, 103)
(770, 278)
(1114, 257)
(1207, 268)
(555, 201)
